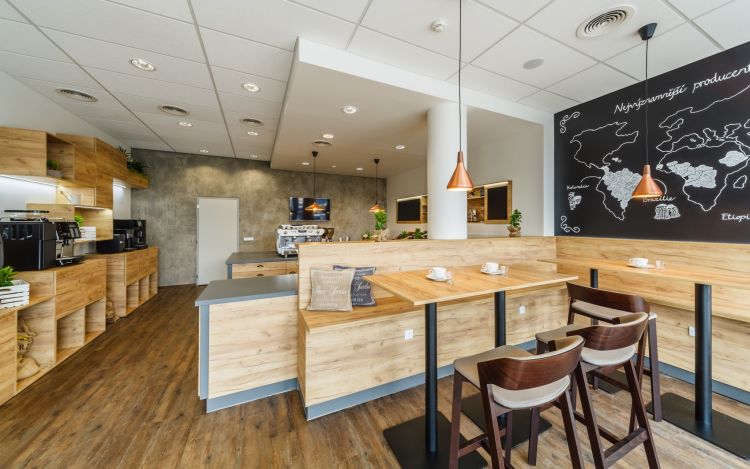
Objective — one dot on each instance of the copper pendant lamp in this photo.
(647, 188)
(376, 207)
(314, 207)
(460, 180)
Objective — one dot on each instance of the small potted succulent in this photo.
(514, 227)
(381, 232)
(53, 169)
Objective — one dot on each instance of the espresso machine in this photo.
(288, 237)
(66, 233)
(28, 240)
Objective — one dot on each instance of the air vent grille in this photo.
(77, 95)
(173, 110)
(252, 122)
(322, 143)
(605, 23)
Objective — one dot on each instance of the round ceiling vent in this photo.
(606, 22)
(251, 122)
(322, 143)
(77, 95)
(173, 110)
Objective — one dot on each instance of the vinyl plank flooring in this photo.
(129, 400)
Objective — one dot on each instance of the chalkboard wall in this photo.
(699, 150)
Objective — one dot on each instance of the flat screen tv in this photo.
(297, 210)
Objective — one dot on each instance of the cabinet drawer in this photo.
(259, 273)
(292, 267)
(259, 267)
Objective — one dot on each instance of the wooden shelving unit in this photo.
(492, 203)
(132, 278)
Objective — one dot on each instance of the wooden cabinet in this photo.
(132, 278)
(24, 152)
(78, 285)
(490, 203)
(264, 269)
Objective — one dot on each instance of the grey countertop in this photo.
(245, 289)
(251, 257)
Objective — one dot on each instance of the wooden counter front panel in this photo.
(7, 356)
(78, 285)
(251, 344)
(337, 362)
(132, 266)
(261, 269)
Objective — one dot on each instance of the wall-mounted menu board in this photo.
(411, 210)
(498, 202)
(699, 149)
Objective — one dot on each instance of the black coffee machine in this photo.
(134, 232)
(28, 244)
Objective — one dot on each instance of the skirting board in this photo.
(249, 395)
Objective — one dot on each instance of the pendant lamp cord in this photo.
(647, 160)
(376, 182)
(314, 167)
(460, 116)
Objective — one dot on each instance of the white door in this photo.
(218, 236)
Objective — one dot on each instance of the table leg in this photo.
(698, 417)
(594, 278)
(472, 406)
(424, 442)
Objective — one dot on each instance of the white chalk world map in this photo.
(706, 160)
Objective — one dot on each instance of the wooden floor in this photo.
(129, 399)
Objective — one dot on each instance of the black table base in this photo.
(472, 407)
(726, 432)
(407, 441)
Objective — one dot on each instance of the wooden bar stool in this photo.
(609, 347)
(511, 378)
(607, 306)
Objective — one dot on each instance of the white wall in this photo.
(121, 208)
(518, 158)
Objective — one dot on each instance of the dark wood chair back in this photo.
(611, 337)
(609, 299)
(517, 373)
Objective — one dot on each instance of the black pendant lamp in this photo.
(314, 206)
(376, 207)
(460, 180)
(647, 188)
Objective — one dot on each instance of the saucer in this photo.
(649, 266)
(449, 276)
(497, 272)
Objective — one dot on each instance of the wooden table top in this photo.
(695, 275)
(414, 286)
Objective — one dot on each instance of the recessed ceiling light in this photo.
(360, 169)
(533, 63)
(333, 166)
(438, 26)
(185, 124)
(173, 110)
(77, 95)
(253, 133)
(203, 150)
(143, 64)
(254, 157)
(400, 147)
(305, 163)
(349, 109)
(251, 122)
(251, 87)
(328, 136)
(322, 143)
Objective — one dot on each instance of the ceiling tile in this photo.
(246, 56)
(693, 8)
(92, 113)
(140, 104)
(224, 150)
(561, 18)
(168, 125)
(673, 49)
(478, 79)
(230, 81)
(592, 83)
(119, 24)
(177, 9)
(147, 145)
(728, 24)
(350, 10)
(274, 22)
(8, 12)
(167, 92)
(114, 57)
(410, 21)
(44, 69)
(47, 88)
(264, 139)
(523, 44)
(23, 38)
(519, 10)
(547, 101)
(124, 130)
(376, 46)
(249, 106)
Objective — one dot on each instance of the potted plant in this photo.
(79, 219)
(514, 227)
(381, 232)
(12, 292)
(419, 234)
(53, 169)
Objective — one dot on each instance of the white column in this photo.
(446, 214)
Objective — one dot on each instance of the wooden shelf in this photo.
(24, 383)
(33, 300)
(93, 335)
(64, 353)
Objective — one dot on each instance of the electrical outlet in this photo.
(248, 238)
(522, 309)
(408, 334)
(691, 331)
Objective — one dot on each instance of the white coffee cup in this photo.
(490, 267)
(638, 261)
(438, 272)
